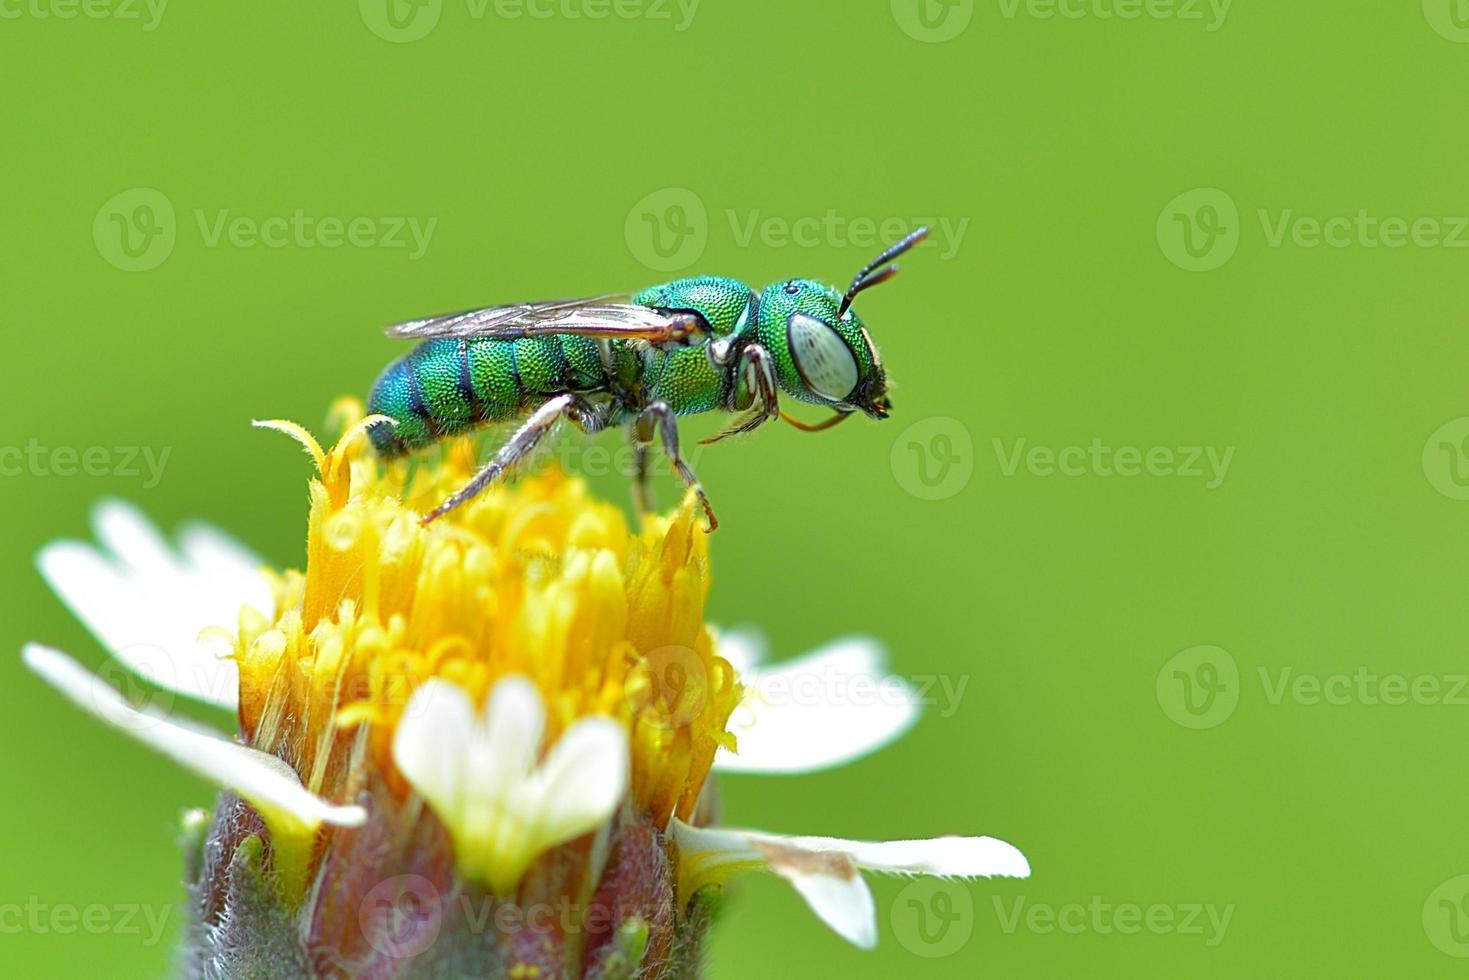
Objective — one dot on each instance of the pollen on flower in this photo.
(536, 580)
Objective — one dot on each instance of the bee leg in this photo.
(516, 448)
(642, 493)
(660, 415)
(757, 374)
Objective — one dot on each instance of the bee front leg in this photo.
(756, 374)
(660, 416)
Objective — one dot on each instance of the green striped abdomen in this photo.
(449, 386)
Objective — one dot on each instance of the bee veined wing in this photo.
(610, 317)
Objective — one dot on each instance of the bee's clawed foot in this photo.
(708, 511)
(442, 509)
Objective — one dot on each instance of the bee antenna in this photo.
(880, 269)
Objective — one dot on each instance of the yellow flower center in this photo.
(536, 579)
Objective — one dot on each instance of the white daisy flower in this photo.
(518, 704)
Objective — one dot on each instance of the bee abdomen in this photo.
(448, 386)
(427, 394)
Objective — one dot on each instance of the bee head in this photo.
(822, 351)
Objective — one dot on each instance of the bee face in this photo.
(823, 353)
(823, 356)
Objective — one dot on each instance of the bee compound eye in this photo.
(822, 358)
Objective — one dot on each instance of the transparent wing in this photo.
(601, 316)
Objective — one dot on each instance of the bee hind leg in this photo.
(660, 416)
(516, 448)
(642, 492)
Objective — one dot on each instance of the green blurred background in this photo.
(1122, 253)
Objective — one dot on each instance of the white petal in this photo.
(843, 902)
(823, 869)
(582, 780)
(482, 775)
(745, 649)
(147, 603)
(265, 781)
(511, 729)
(818, 711)
(829, 883)
(211, 552)
(438, 714)
(949, 857)
(128, 535)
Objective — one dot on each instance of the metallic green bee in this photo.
(693, 345)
